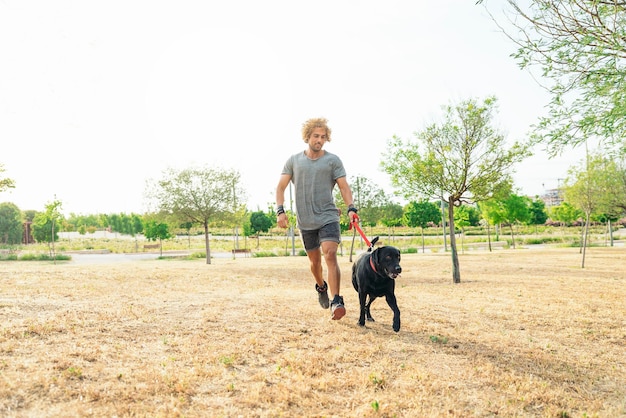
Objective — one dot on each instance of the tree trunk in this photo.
(512, 235)
(456, 274)
(489, 236)
(206, 243)
(54, 255)
(584, 238)
(423, 246)
(462, 240)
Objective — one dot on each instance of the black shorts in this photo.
(329, 232)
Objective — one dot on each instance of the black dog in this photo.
(374, 274)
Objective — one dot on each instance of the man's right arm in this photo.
(281, 217)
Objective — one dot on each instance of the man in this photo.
(314, 174)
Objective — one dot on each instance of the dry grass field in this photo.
(527, 333)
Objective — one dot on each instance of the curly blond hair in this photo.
(311, 124)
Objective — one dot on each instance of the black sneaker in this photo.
(336, 308)
(322, 295)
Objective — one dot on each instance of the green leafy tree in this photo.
(612, 205)
(565, 213)
(87, 220)
(198, 195)
(187, 227)
(45, 225)
(136, 223)
(421, 214)
(589, 186)
(515, 209)
(128, 224)
(490, 213)
(369, 198)
(5, 183)
(538, 214)
(29, 215)
(157, 231)
(463, 159)
(259, 222)
(462, 220)
(392, 215)
(11, 224)
(579, 49)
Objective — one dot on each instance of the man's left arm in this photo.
(346, 194)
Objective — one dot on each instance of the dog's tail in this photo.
(374, 241)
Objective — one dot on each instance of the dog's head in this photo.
(386, 261)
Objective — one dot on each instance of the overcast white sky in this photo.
(97, 97)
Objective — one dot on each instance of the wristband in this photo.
(351, 208)
(280, 210)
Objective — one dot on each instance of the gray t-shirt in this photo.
(314, 181)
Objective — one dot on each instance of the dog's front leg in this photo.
(393, 304)
(362, 298)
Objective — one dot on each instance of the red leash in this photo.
(355, 224)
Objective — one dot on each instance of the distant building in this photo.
(552, 197)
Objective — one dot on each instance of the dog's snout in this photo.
(398, 269)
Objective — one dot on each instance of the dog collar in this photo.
(372, 264)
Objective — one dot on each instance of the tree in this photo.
(198, 195)
(538, 214)
(612, 204)
(45, 225)
(11, 224)
(565, 213)
(157, 230)
(579, 48)
(259, 222)
(5, 183)
(490, 213)
(515, 209)
(588, 187)
(392, 215)
(461, 160)
(462, 219)
(369, 198)
(187, 227)
(421, 214)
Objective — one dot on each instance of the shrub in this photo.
(44, 257)
(266, 254)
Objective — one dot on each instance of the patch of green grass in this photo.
(375, 405)
(35, 257)
(438, 339)
(227, 361)
(377, 381)
(73, 372)
(264, 254)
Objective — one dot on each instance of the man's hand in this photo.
(352, 214)
(282, 220)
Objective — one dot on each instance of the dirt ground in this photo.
(527, 333)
